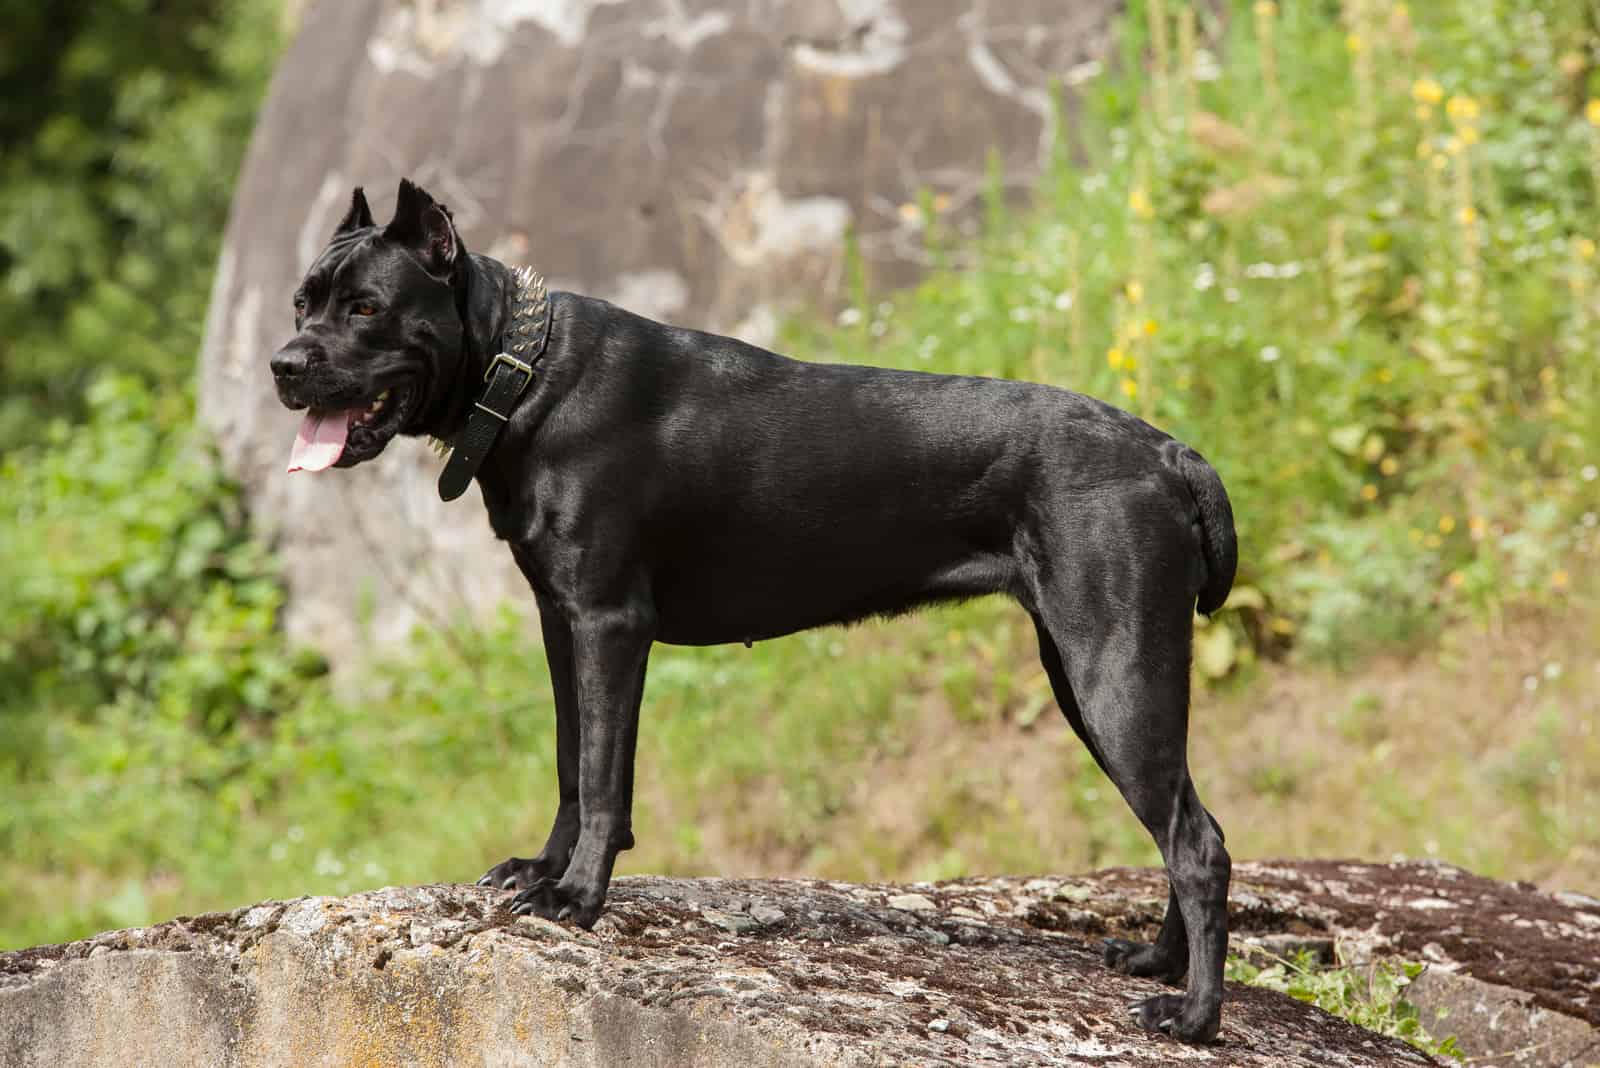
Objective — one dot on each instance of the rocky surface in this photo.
(695, 160)
(719, 972)
(1512, 972)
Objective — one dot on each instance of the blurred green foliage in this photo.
(123, 126)
(1347, 254)
(1347, 251)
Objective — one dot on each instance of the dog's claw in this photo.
(483, 881)
(1166, 1025)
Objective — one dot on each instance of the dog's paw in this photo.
(1147, 962)
(517, 873)
(1177, 1016)
(559, 901)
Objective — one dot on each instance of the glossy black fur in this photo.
(658, 484)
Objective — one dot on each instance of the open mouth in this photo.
(343, 437)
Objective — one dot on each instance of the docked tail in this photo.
(1218, 542)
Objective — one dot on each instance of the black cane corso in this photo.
(657, 484)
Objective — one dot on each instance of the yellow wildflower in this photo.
(1415, 535)
(1463, 110)
(1130, 388)
(1467, 215)
(1353, 42)
(1385, 375)
(1115, 358)
(1134, 291)
(1440, 161)
(1469, 136)
(1447, 523)
(1427, 91)
(1139, 204)
(1585, 248)
(1389, 465)
(1457, 579)
(1592, 112)
(1559, 580)
(1266, 9)
(1477, 526)
(1369, 492)
(1547, 375)
(1150, 328)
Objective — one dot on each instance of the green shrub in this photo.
(124, 125)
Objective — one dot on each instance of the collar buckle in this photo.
(508, 360)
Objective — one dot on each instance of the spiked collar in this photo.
(508, 376)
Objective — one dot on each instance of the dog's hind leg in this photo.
(1124, 657)
(1168, 958)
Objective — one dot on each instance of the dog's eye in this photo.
(364, 309)
(299, 305)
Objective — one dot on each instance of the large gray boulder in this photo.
(742, 972)
(695, 160)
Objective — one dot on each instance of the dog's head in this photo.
(379, 335)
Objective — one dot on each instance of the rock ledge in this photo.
(722, 972)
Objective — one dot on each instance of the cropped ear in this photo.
(424, 226)
(359, 217)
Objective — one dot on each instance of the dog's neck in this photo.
(484, 290)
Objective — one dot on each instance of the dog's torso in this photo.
(758, 495)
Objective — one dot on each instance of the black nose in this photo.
(290, 361)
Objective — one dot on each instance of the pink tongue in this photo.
(321, 439)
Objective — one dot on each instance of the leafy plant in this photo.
(1370, 995)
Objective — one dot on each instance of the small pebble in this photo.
(767, 915)
(911, 903)
(732, 922)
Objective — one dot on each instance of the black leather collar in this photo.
(509, 375)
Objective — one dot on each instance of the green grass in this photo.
(1400, 394)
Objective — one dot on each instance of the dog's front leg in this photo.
(610, 647)
(519, 873)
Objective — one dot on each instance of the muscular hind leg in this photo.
(1129, 685)
(1168, 958)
